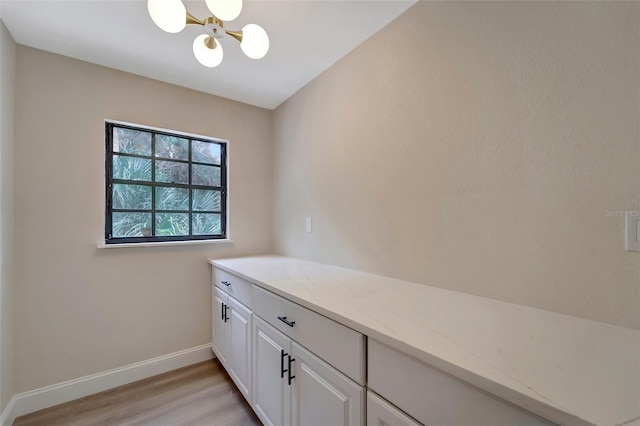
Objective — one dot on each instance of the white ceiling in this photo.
(306, 37)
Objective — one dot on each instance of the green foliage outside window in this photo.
(163, 187)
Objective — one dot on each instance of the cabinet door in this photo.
(219, 325)
(321, 395)
(271, 391)
(239, 349)
(382, 413)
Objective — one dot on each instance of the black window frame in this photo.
(109, 180)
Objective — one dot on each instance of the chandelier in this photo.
(172, 17)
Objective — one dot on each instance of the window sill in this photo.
(165, 243)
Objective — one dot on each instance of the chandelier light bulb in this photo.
(255, 41)
(226, 10)
(204, 54)
(169, 15)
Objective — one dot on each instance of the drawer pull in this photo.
(290, 377)
(282, 369)
(227, 283)
(286, 321)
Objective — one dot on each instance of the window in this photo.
(162, 186)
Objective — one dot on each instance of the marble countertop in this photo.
(566, 369)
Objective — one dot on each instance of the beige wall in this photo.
(80, 310)
(7, 97)
(475, 146)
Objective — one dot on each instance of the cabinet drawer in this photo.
(339, 346)
(233, 285)
(435, 398)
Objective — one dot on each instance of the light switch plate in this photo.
(632, 231)
(308, 227)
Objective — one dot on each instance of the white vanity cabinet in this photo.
(294, 366)
(232, 330)
(424, 355)
(292, 386)
(297, 367)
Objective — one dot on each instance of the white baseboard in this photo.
(8, 414)
(48, 396)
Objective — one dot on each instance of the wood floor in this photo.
(201, 394)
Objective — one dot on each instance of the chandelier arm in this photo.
(192, 20)
(235, 34)
(210, 43)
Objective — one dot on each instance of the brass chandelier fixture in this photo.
(172, 16)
